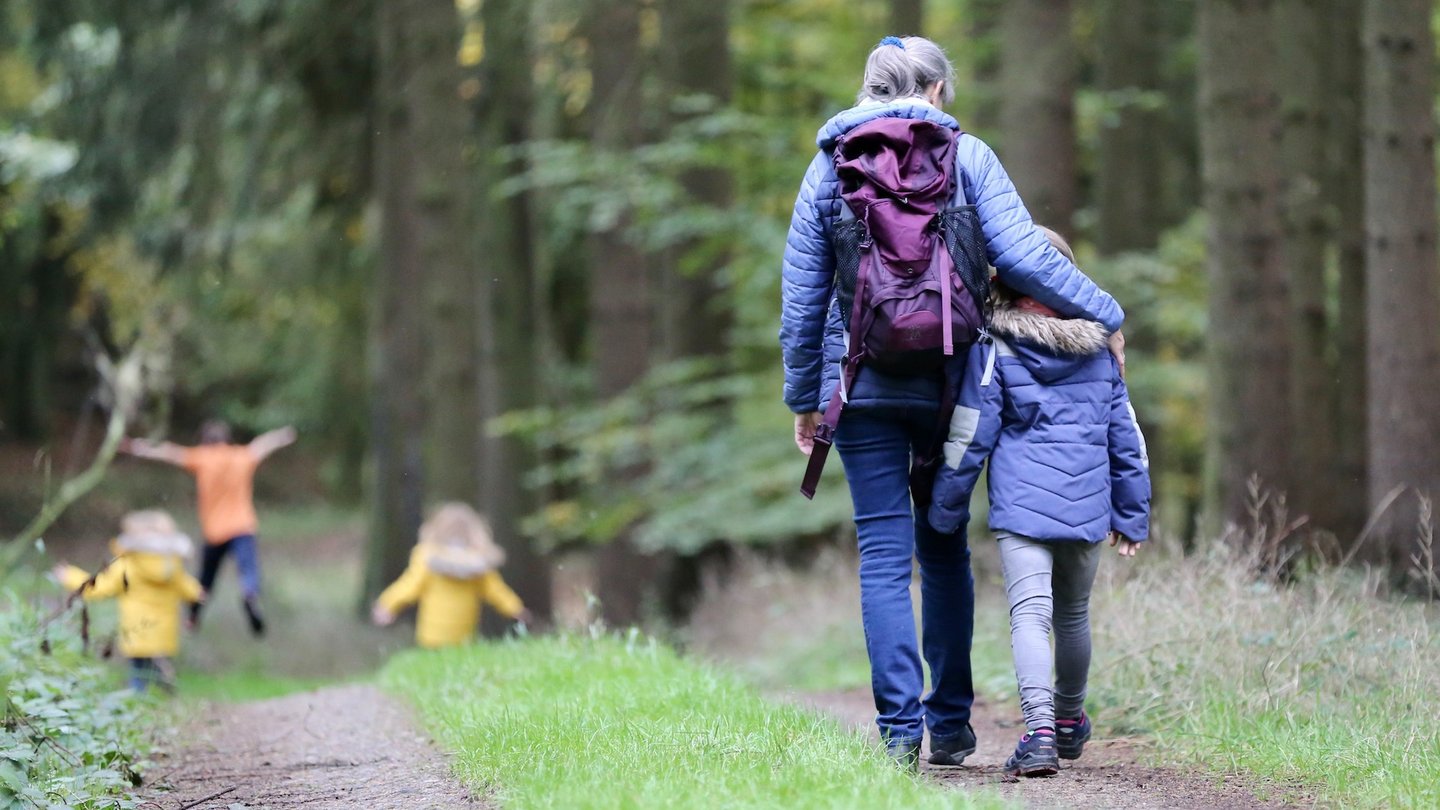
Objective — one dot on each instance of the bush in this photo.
(68, 738)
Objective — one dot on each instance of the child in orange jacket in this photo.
(148, 579)
(453, 569)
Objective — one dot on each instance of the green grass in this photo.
(574, 722)
(243, 684)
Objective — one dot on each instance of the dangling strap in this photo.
(849, 369)
(946, 329)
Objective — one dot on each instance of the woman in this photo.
(888, 418)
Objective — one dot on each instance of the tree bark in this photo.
(1037, 109)
(1250, 410)
(1306, 228)
(907, 18)
(1403, 271)
(398, 351)
(1346, 188)
(1130, 166)
(507, 292)
(620, 311)
(439, 132)
(982, 60)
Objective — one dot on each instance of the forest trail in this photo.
(340, 747)
(1107, 776)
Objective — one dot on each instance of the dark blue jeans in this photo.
(876, 446)
(247, 559)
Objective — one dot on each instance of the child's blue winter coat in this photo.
(1044, 401)
(811, 334)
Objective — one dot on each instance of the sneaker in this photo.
(1071, 736)
(905, 754)
(252, 612)
(952, 751)
(1035, 755)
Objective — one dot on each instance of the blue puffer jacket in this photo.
(810, 323)
(1045, 402)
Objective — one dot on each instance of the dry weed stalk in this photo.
(1423, 560)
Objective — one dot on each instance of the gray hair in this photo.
(907, 70)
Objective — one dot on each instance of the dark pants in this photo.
(876, 447)
(147, 671)
(247, 558)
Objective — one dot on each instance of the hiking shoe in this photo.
(952, 751)
(257, 620)
(905, 754)
(1035, 755)
(1071, 736)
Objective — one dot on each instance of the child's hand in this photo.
(381, 617)
(58, 571)
(1124, 545)
(525, 616)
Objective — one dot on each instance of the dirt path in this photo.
(1107, 776)
(339, 747)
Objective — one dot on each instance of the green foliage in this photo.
(67, 737)
(718, 465)
(579, 722)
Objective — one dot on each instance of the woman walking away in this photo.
(1046, 404)
(454, 568)
(894, 415)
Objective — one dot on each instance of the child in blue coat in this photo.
(1044, 401)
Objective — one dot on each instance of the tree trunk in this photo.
(507, 293)
(1305, 98)
(1401, 260)
(1130, 167)
(1250, 409)
(907, 18)
(1345, 188)
(982, 63)
(398, 351)
(620, 313)
(442, 238)
(1037, 107)
(695, 305)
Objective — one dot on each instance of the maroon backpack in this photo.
(911, 271)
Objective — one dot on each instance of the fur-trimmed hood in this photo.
(1075, 337)
(174, 544)
(459, 563)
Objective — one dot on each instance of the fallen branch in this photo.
(199, 802)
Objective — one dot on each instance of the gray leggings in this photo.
(1045, 582)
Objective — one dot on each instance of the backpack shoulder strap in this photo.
(958, 177)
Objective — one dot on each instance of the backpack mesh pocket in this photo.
(966, 242)
(847, 237)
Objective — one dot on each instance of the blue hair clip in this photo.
(896, 41)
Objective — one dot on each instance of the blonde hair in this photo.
(1058, 242)
(900, 68)
(456, 526)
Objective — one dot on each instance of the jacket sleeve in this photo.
(499, 595)
(1129, 468)
(1023, 257)
(108, 584)
(807, 275)
(405, 591)
(188, 587)
(974, 429)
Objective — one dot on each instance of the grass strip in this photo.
(576, 722)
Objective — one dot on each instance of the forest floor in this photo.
(337, 747)
(1113, 773)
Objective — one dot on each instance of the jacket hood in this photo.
(913, 108)
(164, 543)
(459, 563)
(155, 568)
(1051, 348)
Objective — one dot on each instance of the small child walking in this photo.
(147, 577)
(1045, 402)
(454, 568)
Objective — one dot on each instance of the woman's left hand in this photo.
(805, 424)
(1117, 348)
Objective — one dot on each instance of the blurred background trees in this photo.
(525, 253)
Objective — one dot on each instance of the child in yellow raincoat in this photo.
(453, 569)
(148, 579)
